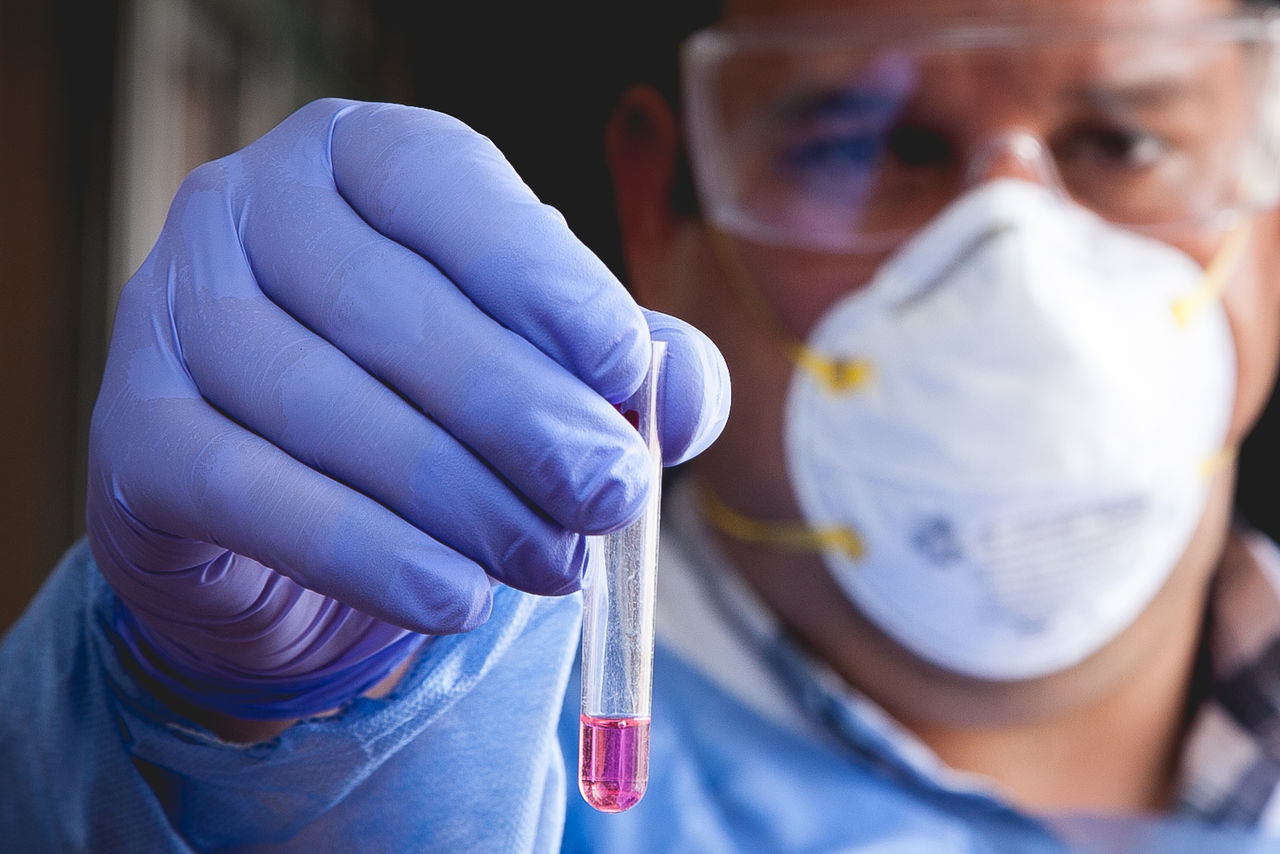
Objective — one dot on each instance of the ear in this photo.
(642, 146)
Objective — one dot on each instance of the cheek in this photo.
(798, 287)
(746, 464)
(730, 312)
(1252, 302)
(753, 302)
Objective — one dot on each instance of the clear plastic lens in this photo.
(810, 140)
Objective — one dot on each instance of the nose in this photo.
(1013, 154)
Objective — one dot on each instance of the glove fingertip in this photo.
(696, 389)
(550, 566)
(619, 372)
(574, 570)
(617, 497)
(455, 613)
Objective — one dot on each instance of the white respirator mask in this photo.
(1025, 447)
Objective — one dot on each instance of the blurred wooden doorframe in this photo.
(56, 80)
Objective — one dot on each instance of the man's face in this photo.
(1148, 133)
(957, 118)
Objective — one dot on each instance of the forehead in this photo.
(1046, 60)
(938, 11)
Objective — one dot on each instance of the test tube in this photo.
(617, 634)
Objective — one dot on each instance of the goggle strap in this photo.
(1214, 463)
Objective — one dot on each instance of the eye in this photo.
(919, 146)
(914, 147)
(1111, 146)
(840, 151)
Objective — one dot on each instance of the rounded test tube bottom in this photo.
(613, 761)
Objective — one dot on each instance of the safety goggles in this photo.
(845, 135)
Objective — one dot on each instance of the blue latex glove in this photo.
(363, 373)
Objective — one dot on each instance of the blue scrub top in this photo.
(474, 751)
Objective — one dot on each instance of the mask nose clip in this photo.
(1015, 153)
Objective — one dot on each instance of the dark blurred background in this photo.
(105, 105)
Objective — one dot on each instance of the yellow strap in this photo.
(836, 375)
(1215, 277)
(1215, 463)
(798, 537)
(1220, 269)
(788, 536)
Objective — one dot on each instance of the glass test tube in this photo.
(617, 635)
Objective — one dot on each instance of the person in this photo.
(994, 281)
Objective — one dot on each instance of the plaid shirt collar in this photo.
(1230, 770)
(1230, 766)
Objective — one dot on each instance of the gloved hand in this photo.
(363, 373)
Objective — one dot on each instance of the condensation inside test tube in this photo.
(617, 635)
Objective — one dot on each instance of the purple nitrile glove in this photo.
(362, 373)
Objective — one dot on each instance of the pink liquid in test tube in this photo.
(613, 757)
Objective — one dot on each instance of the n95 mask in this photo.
(1026, 452)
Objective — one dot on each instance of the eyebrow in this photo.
(1141, 96)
